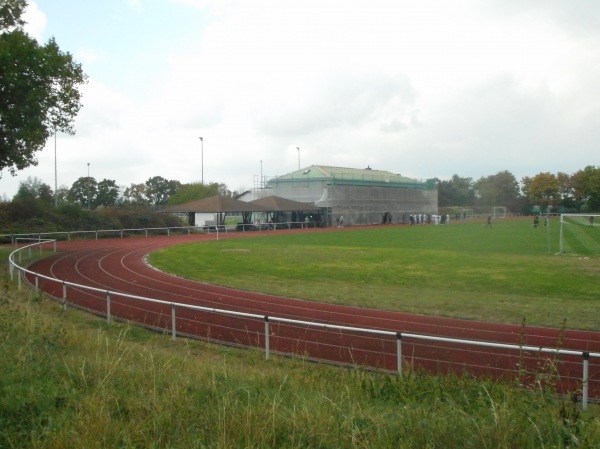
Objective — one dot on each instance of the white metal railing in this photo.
(399, 336)
(97, 233)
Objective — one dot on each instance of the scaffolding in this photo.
(359, 196)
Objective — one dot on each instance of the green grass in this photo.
(68, 379)
(505, 274)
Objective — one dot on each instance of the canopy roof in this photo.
(214, 204)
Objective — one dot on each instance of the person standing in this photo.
(489, 222)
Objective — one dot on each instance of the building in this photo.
(360, 196)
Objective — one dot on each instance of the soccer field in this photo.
(508, 273)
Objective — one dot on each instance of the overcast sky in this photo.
(426, 88)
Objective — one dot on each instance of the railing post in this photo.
(121, 233)
(64, 303)
(37, 287)
(19, 275)
(168, 232)
(399, 352)
(108, 306)
(586, 381)
(267, 342)
(96, 235)
(173, 323)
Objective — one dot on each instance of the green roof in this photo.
(349, 176)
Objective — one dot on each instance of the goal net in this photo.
(499, 212)
(466, 214)
(580, 234)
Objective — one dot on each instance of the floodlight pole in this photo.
(88, 186)
(55, 174)
(202, 157)
(261, 176)
(298, 148)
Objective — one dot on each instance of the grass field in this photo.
(504, 274)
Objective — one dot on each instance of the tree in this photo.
(501, 189)
(456, 192)
(135, 194)
(108, 193)
(543, 190)
(159, 190)
(62, 194)
(34, 188)
(586, 188)
(193, 191)
(39, 92)
(565, 190)
(84, 191)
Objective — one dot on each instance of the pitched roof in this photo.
(343, 175)
(279, 204)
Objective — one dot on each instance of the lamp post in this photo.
(261, 177)
(55, 174)
(202, 157)
(88, 186)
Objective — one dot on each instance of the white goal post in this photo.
(499, 212)
(466, 213)
(580, 234)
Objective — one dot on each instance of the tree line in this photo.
(89, 205)
(544, 192)
(88, 193)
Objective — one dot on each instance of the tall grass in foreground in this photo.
(70, 380)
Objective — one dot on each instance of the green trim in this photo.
(350, 177)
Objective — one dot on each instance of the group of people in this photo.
(426, 218)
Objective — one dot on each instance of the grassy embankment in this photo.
(506, 274)
(70, 380)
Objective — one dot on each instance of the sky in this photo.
(426, 89)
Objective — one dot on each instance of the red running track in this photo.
(119, 265)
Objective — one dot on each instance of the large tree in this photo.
(586, 187)
(39, 92)
(501, 189)
(34, 188)
(84, 192)
(193, 191)
(456, 192)
(543, 190)
(159, 190)
(108, 193)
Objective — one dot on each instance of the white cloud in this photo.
(426, 88)
(35, 21)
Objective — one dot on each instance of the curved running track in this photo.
(119, 265)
